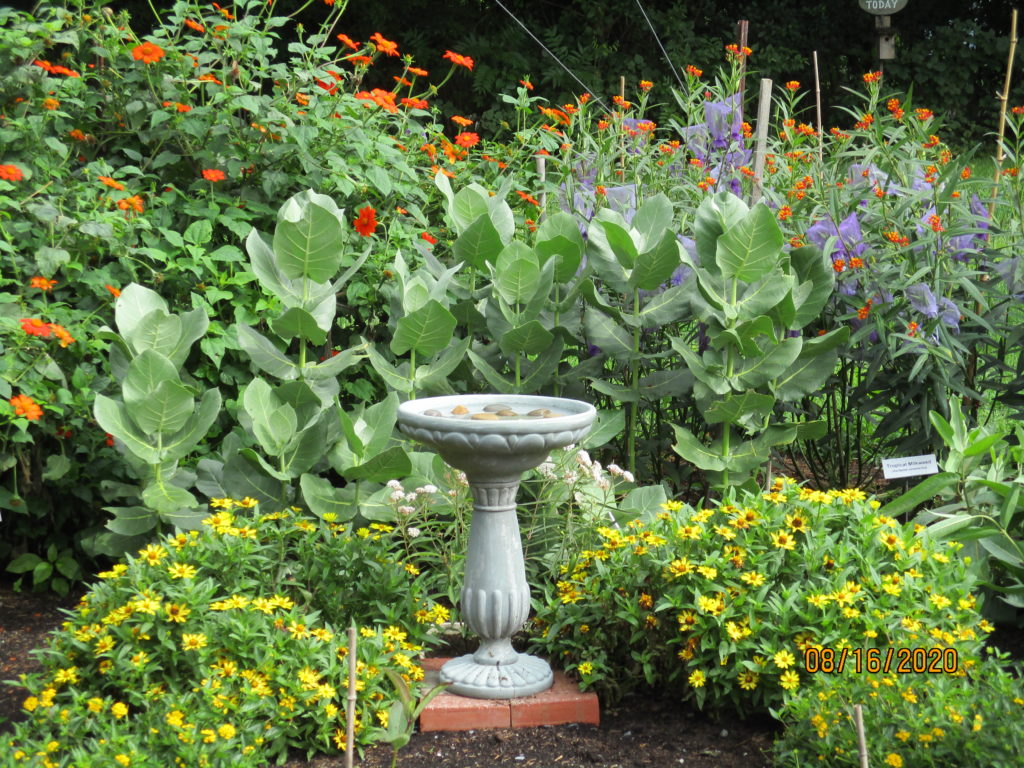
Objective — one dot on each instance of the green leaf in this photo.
(310, 237)
(655, 266)
(391, 375)
(57, 465)
(24, 563)
(376, 426)
(760, 297)
(693, 451)
(113, 418)
(496, 380)
(715, 215)
(165, 411)
(673, 382)
(664, 307)
(297, 322)
(244, 477)
(812, 368)
(603, 331)
(468, 207)
(618, 392)
(516, 273)
(304, 450)
(134, 303)
(264, 354)
(131, 521)
(982, 444)
(436, 372)
(334, 364)
(621, 244)
(606, 427)
(531, 338)
(478, 244)
(168, 499)
(811, 268)
(428, 330)
(322, 498)
(559, 236)
(195, 429)
(755, 371)
(919, 494)
(653, 221)
(145, 373)
(643, 502)
(199, 232)
(750, 249)
(49, 260)
(387, 465)
(731, 407)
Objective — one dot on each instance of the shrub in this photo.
(720, 604)
(225, 645)
(915, 721)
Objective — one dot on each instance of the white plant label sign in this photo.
(909, 466)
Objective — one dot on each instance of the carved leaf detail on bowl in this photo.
(492, 442)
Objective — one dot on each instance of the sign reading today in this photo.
(882, 7)
(909, 466)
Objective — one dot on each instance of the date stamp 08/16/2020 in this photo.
(898, 660)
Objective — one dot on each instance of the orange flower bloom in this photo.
(467, 139)
(460, 120)
(912, 329)
(936, 223)
(112, 183)
(528, 198)
(414, 103)
(428, 237)
(692, 71)
(418, 72)
(349, 42)
(403, 81)
(933, 141)
(11, 173)
(42, 283)
(459, 60)
(115, 292)
(366, 223)
(793, 85)
(50, 104)
(26, 406)
(195, 26)
(33, 326)
(856, 262)
(133, 203)
(383, 99)
(872, 77)
(923, 114)
(147, 53)
(646, 85)
(436, 169)
(387, 47)
(785, 212)
(363, 60)
(214, 174)
(62, 334)
(525, 82)
(209, 77)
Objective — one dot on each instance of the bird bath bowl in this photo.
(494, 439)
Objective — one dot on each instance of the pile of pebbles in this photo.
(492, 412)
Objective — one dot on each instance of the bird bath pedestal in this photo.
(494, 439)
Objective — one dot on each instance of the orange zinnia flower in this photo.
(428, 237)
(50, 104)
(112, 183)
(348, 41)
(195, 26)
(42, 283)
(459, 60)
(214, 174)
(383, 99)
(366, 223)
(418, 72)
(133, 203)
(11, 173)
(33, 326)
(61, 333)
(460, 120)
(527, 198)
(147, 53)
(387, 47)
(414, 103)
(209, 77)
(26, 406)
(467, 139)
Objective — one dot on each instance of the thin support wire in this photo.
(658, 41)
(572, 74)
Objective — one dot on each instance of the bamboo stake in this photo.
(817, 103)
(742, 27)
(862, 747)
(1003, 98)
(764, 105)
(350, 709)
(542, 178)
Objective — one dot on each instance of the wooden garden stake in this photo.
(742, 28)
(1003, 98)
(817, 103)
(350, 710)
(764, 105)
(862, 747)
(542, 177)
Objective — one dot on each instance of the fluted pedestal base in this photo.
(525, 676)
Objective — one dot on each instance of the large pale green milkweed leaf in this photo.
(653, 220)
(428, 330)
(516, 273)
(478, 243)
(145, 373)
(607, 334)
(195, 429)
(322, 498)
(113, 418)
(264, 354)
(531, 338)
(655, 266)
(310, 237)
(134, 303)
(749, 249)
(165, 411)
(693, 451)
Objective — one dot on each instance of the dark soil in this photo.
(639, 731)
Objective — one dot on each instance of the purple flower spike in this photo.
(949, 313)
(923, 300)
